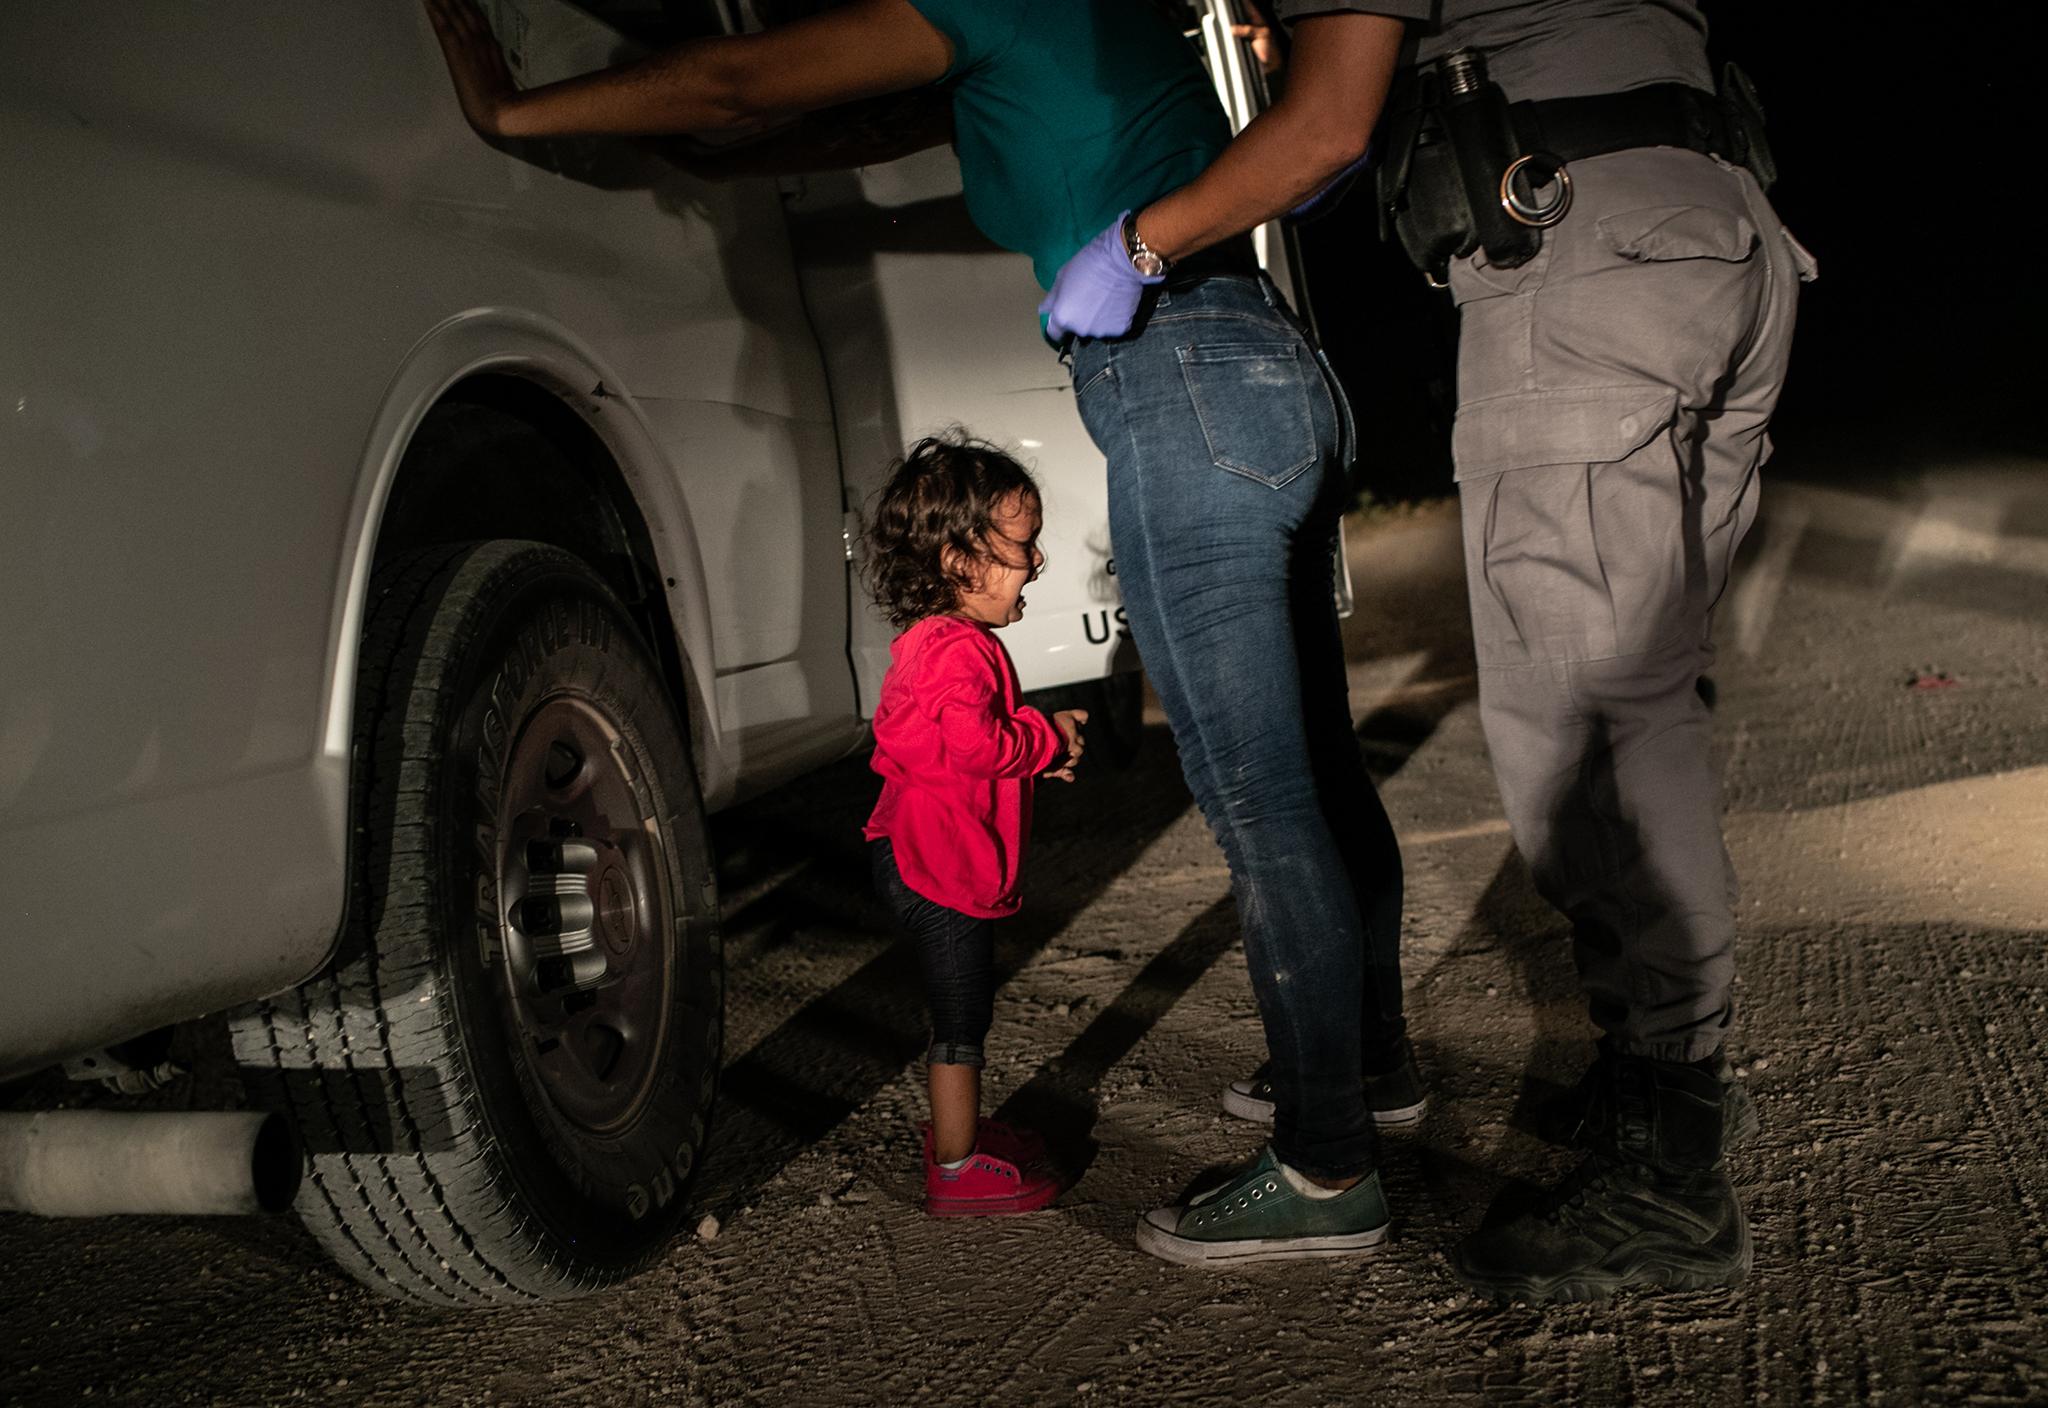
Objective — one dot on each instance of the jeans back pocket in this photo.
(1251, 399)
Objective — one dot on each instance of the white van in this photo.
(404, 543)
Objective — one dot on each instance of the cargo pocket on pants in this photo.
(1661, 233)
(1574, 524)
(1251, 399)
(1588, 425)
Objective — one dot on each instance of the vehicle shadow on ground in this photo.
(830, 1057)
(1541, 1005)
(1060, 1099)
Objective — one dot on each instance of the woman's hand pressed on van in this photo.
(483, 82)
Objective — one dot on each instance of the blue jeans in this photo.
(1227, 441)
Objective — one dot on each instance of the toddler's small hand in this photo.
(1068, 722)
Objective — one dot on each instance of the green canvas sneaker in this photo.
(1258, 1216)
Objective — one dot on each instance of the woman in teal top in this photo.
(1066, 115)
(1226, 440)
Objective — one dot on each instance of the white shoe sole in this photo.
(1168, 1245)
(1250, 1107)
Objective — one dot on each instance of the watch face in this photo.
(1147, 263)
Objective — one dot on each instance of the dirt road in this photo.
(1894, 846)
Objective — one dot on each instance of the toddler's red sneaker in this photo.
(1020, 1146)
(987, 1185)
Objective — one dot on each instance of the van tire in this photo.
(454, 1156)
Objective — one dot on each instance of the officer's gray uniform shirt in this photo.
(1549, 48)
(1613, 398)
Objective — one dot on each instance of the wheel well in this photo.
(502, 457)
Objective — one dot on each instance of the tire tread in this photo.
(410, 1229)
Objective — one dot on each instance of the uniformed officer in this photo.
(1617, 373)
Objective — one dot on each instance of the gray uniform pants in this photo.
(1613, 398)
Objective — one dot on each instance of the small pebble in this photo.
(707, 1230)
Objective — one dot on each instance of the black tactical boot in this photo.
(1650, 1206)
(1565, 1119)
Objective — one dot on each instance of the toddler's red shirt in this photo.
(957, 753)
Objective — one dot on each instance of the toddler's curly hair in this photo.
(942, 495)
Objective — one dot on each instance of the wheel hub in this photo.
(615, 915)
(583, 877)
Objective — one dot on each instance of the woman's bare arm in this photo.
(866, 133)
(860, 50)
(1337, 80)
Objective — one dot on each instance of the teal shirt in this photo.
(1068, 112)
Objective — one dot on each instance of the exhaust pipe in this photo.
(89, 1163)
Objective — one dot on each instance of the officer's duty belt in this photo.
(1659, 115)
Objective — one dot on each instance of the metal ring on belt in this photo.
(1519, 210)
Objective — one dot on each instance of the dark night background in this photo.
(1908, 152)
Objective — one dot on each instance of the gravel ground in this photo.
(1894, 846)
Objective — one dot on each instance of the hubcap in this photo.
(583, 876)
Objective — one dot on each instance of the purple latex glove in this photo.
(1334, 190)
(1096, 293)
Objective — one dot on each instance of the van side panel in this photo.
(926, 324)
(228, 227)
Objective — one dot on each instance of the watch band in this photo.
(1149, 262)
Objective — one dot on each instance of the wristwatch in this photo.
(1149, 262)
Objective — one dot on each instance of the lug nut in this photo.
(561, 857)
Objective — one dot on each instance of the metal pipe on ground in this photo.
(90, 1163)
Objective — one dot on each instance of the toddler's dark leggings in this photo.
(957, 953)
